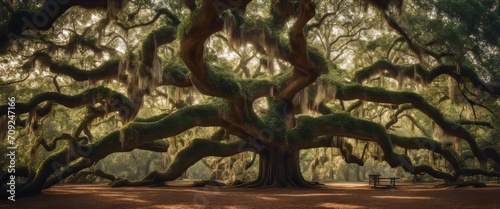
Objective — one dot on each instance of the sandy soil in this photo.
(332, 195)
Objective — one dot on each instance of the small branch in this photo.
(477, 123)
(13, 82)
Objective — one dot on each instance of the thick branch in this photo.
(114, 100)
(422, 76)
(198, 149)
(383, 96)
(133, 135)
(343, 124)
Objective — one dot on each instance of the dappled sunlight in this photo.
(311, 194)
(179, 206)
(403, 197)
(337, 205)
(266, 198)
(328, 196)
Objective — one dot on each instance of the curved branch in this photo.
(343, 124)
(107, 70)
(379, 95)
(155, 39)
(419, 74)
(114, 101)
(203, 26)
(159, 13)
(195, 151)
(53, 144)
(21, 21)
(476, 123)
(429, 144)
(98, 173)
(134, 135)
(173, 73)
(307, 64)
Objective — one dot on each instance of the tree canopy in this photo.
(403, 82)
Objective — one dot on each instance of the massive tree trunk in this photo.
(279, 168)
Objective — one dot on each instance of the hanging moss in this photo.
(163, 34)
(339, 123)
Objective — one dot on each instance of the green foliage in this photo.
(185, 25)
(223, 79)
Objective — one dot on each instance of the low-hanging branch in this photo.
(188, 156)
(450, 156)
(99, 173)
(342, 124)
(142, 135)
(379, 95)
(428, 144)
(346, 149)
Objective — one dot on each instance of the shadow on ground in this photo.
(332, 195)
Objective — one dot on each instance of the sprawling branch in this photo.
(429, 144)
(49, 146)
(383, 96)
(160, 12)
(98, 173)
(21, 21)
(416, 48)
(419, 74)
(476, 123)
(106, 71)
(343, 124)
(173, 73)
(195, 151)
(114, 101)
(142, 135)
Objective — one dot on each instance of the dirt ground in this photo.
(332, 195)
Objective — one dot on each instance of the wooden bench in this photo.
(371, 178)
(375, 180)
